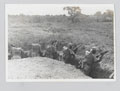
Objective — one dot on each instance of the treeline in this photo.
(107, 16)
(74, 16)
(36, 18)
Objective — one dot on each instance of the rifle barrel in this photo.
(77, 46)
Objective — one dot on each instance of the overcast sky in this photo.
(54, 9)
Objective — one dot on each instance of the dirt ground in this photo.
(42, 68)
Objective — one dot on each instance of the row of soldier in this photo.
(68, 54)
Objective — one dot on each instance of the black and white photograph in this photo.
(60, 42)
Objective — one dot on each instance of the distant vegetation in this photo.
(74, 15)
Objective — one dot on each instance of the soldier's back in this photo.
(66, 55)
(89, 59)
(87, 64)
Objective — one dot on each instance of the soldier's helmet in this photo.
(70, 45)
(93, 50)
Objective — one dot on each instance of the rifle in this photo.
(77, 46)
(81, 62)
(102, 54)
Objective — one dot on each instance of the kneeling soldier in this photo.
(68, 54)
(90, 59)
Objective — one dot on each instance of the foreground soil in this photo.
(42, 68)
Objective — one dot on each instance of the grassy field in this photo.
(23, 31)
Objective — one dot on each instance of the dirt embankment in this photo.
(42, 68)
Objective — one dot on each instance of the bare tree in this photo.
(73, 12)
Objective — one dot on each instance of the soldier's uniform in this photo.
(89, 61)
(36, 50)
(26, 54)
(68, 55)
(48, 52)
(51, 52)
(16, 52)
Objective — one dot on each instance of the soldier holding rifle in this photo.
(90, 59)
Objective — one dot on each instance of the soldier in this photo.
(90, 59)
(35, 50)
(70, 45)
(48, 52)
(16, 52)
(51, 51)
(68, 54)
(26, 54)
(60, 54)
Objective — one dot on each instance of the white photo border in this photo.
(55, 80)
